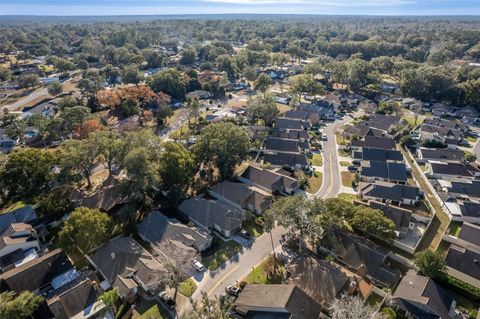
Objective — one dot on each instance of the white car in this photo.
(198, 265)
(324, 137)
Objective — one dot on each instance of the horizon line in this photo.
(241, 13)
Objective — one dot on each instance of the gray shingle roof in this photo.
(457, 169)
(158, 228)
(470, 233)
(391, 191)
(122, 256)
(209, 212)
(385, 170)
(378, 154)
(434, 301)
(289, 159)
(382, 122)
(282, 145)
(275, 299)
(21, 215)
(464, 260)
(441, 154)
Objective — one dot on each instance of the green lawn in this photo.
(12, 207)
(411, 120)
(347, 178)
(471, 139)
(220, 252)
(343, 153)
(345, 163)
(455, 228)
(314, 182)
(317, 160)
(250, 225)
(188, 287)
(347, 197)
(149, 309)
(262, 273)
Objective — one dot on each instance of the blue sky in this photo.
(149, 7)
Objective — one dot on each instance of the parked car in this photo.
(167, 299)
(352, 168)
(324, 137)
(232, 290)
(198, 265)
(245, 234)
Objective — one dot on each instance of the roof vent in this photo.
(112, 254)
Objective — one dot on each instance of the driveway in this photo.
(237, 267)
(332, 180)
(23, 102)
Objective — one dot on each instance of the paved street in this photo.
(332, 180)
(21, 103)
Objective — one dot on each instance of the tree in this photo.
(227, 63)
(84, 229)
(222, 145)
(153, 58)
(55, 88)
(18, 307)
(89, 126)
(194, 106)
(132, 75)
(169, 82)
(430, 264)
(163, 113)
(110, 298)
(353, 308)
(372, 222)
(188, 57)
(13, 126)
(29, 81)
(42, 124)
(218, 308)
(27, 174)
(82, 156)
(470, 157)
(5, 74)
(263, 108)
(262, 83)
(177, 167)
(142, 170)
(82, 64)
(67, 102)
(112, 148)
(305, 84)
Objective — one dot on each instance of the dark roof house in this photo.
(276, 301)
(422, 298)
(268, 180)
(213, 215)
(321, 280)
(378, 170)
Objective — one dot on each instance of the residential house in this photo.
(276, 301)
(243, 196)
(269, 181)
(295, 124)
(377, 154)
(126, 265)
(7, 143)
(213, 215)
(440, 154)
(323, 281)
(383, 122)
(158, 229)
(220, 115)
(24, 214)
(174, 241)
(291, 160)
(442, 134)
(37, 275)
(454, 125)
(382, 142)
(18, 236)
(78, 301)
(283, 145)
(386, 192)
(360, 131)
(463, 263)
(444, 170)
(419, 297)
(371, 171)
(299, 135)
(364, 258)
(297, 114)
(466, 211)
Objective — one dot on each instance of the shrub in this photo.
(463, 288)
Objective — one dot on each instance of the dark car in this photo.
(352, 168)
(167, 299)
(245, 234)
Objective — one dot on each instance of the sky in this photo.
(160, 7)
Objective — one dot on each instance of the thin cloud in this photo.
(339, 3)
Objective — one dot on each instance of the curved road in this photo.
(332, 180)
